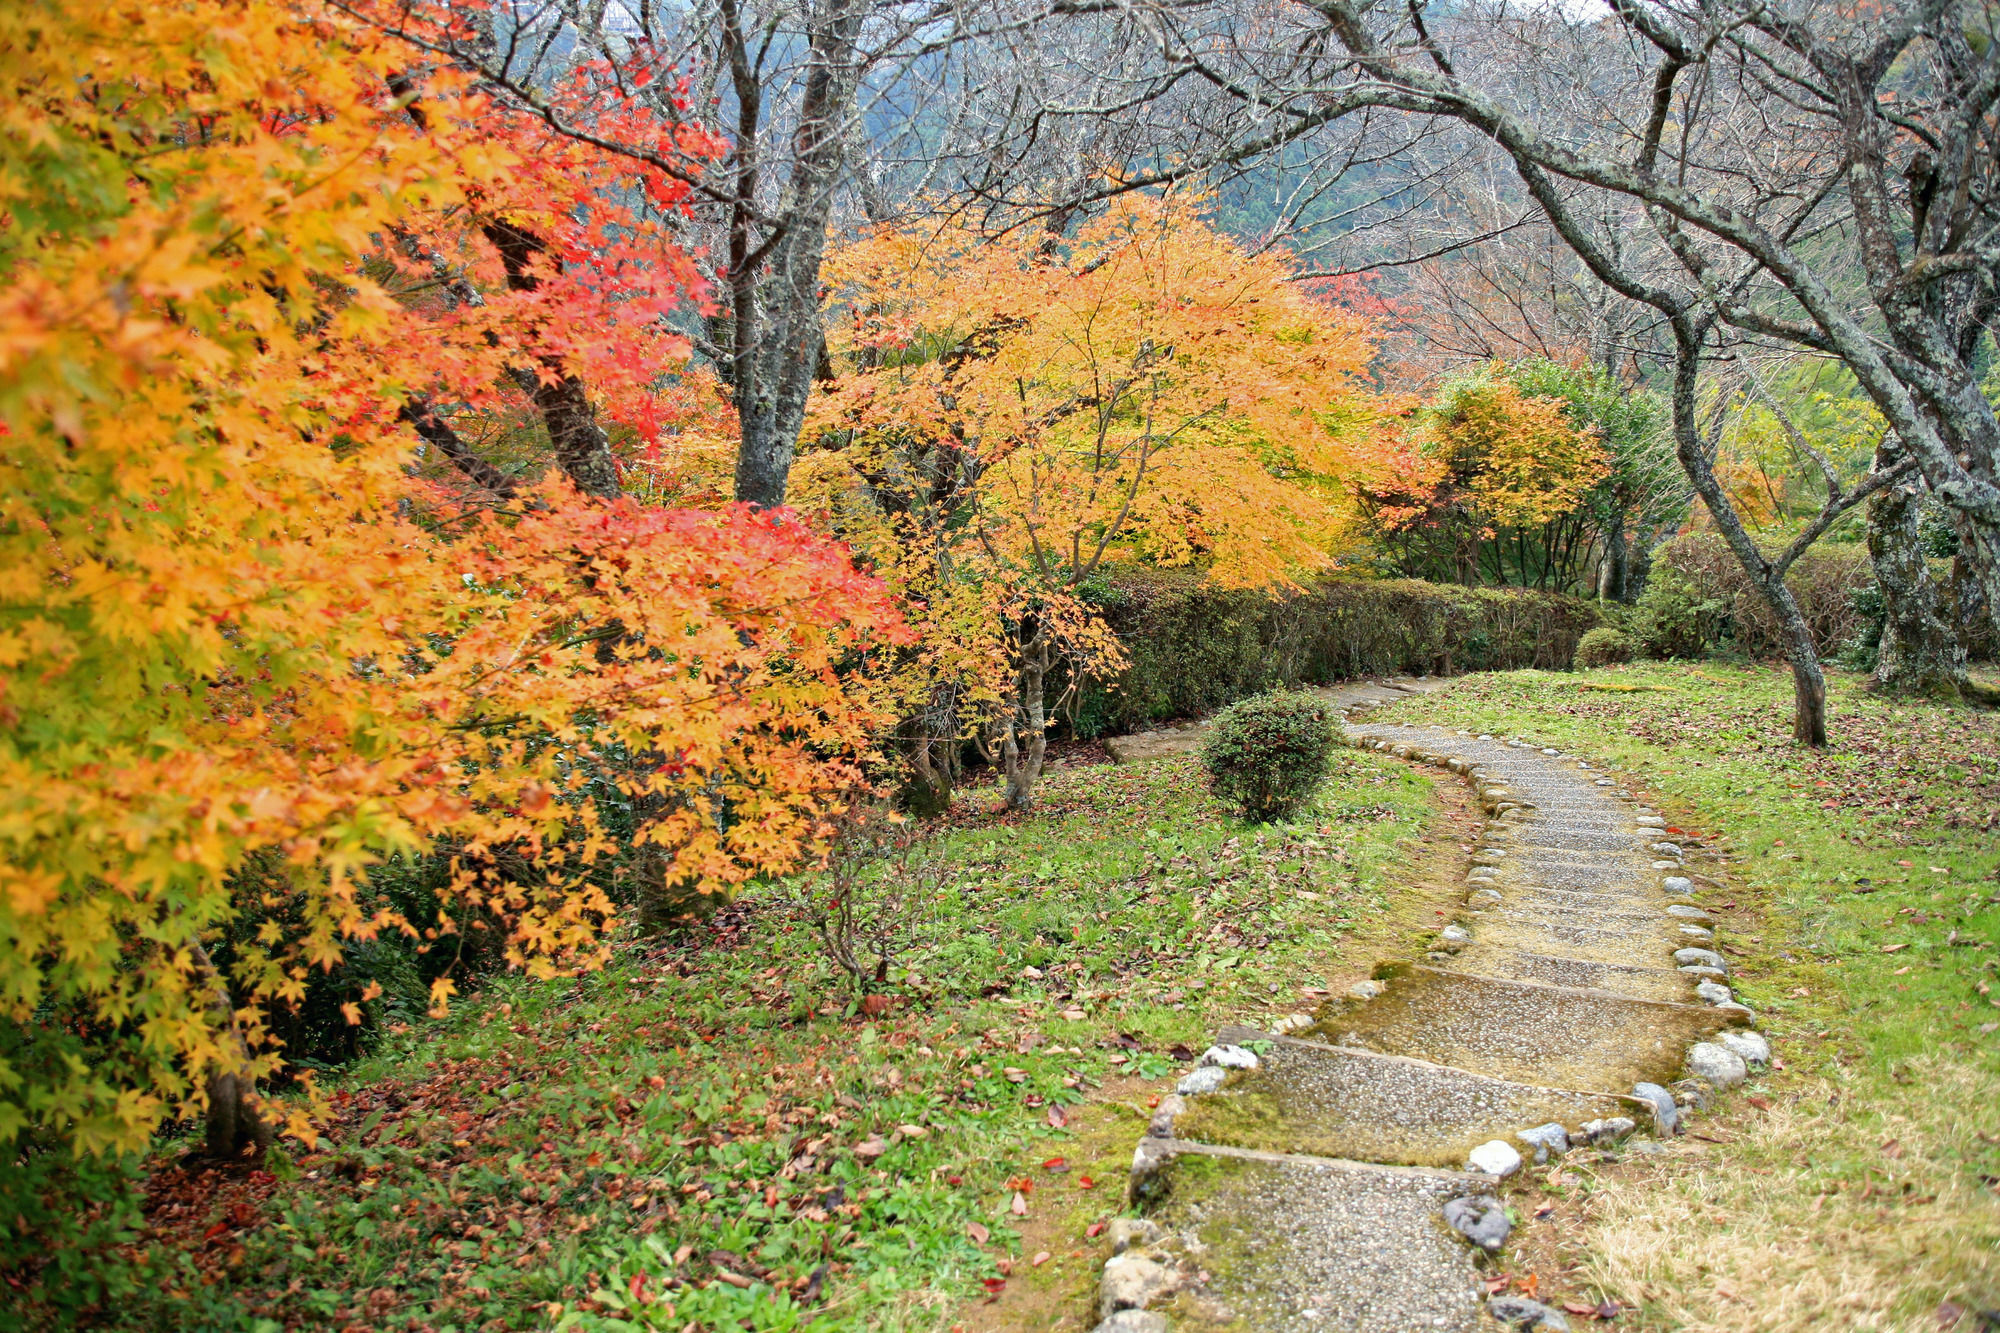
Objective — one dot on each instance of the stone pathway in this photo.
(1343, 1170)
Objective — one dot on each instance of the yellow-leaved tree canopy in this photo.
(245, 653)
(1010, 412)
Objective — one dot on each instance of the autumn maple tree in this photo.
(1012, 412)
(257, 260)
(1483, 460)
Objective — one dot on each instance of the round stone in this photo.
(1714, 992)
(1700, 958)
(1495, 1157)
(1229, 1057)
(1481, 1219)
(1205, 1079)
(1716, 1063)
(1666, 1112)
(1751, 1046)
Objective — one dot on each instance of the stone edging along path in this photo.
(1344, 1170)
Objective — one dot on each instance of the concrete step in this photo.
(1518, 964)
(1525, 1031)
(1300, 1244)
(1331, 1101)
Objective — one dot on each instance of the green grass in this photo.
(1860, 887)
(606, 1152)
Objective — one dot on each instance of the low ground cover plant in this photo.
(718, 1130)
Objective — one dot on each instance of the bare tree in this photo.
(1808, 176)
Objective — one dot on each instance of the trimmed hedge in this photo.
(1195, 647)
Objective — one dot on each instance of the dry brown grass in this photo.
(1830, 1214)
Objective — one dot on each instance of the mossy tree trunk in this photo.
(1921, 654)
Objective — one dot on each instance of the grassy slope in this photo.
(1856, 1187)
(581, 1153)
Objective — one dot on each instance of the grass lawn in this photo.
(716, 1132)
(713, 1133)
(1857, 1188)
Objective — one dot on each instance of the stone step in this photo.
(1517, 964)
(1627, 948)
(1299, 1244)
(1526, 1031)
(1532, 835)
(1331, 1101)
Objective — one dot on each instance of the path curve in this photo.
(1345, 1169)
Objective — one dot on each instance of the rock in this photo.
(1713, 992)
(1666, 865)
(1129, 1233)
(1133, 1321)
(1606, 782)
(1697, 932)
(1205, 1079)
(1484, 898)
(1455, 935)
(1366, 990)
(1609, 1131)
(1132, 1282)
(1545, 1139)
(1674, 884)
(1717, 1063)
(1520, 1312)
(1700, 958)
(1751, 1047)
(1650, 821)
(1495, 1157)
(1481, 1219)
(1496, 793)
(1149, 1161)
(1161, 1126)
(1672, 849)
(1688, 912)
(1229, 1057)
(1695, 971)
(1666, 1113)
(1692, 1094)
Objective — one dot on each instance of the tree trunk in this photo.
(1920, 653)
(583, 449)
(1027, 739)
(232, 1121)
(1808, 684)
(1611, 570)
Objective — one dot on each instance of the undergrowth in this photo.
(718, 1133)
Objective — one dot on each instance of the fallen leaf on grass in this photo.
(980, 1235)
(1094, 1229)
(1041, 1257)
(1057, 1117)
(1892, 948)
(1020, 1204)
(994, 1284)
(1056, 1164)
(1085, 1183)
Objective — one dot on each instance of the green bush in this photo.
(1195, 647)
(1604, 646)
(1267, 755)
(1698, 599)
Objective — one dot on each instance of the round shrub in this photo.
(1604, 646)
(1267, 755)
